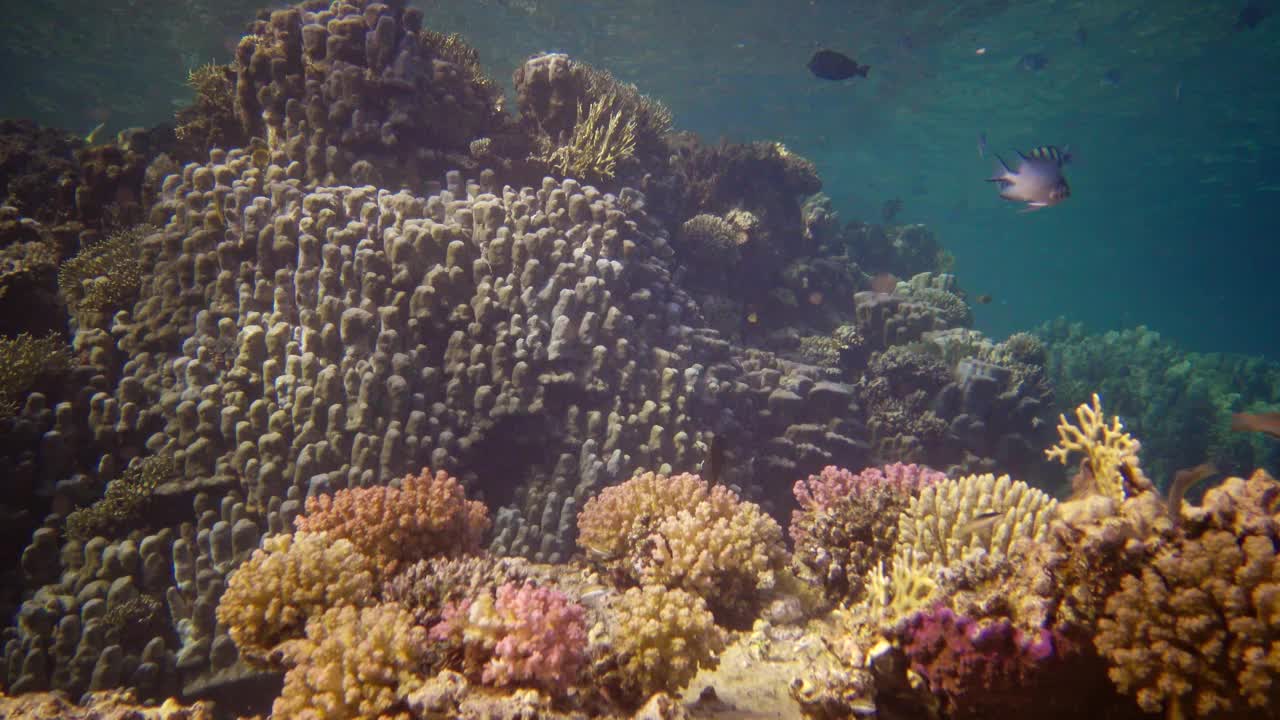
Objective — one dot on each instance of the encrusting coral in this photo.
(291, 578)
(427, 515)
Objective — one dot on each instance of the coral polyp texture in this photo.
(1193, 633)
(848, 522)
(427, 515)
(658, 640)
(353, 663)
(679, 532)
(518, 635)
(290, 579)
(951, 520)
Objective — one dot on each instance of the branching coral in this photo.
(125, 499)
(846, 523)
(520, 635)
(353, 663)
(678, 532)
(1196, 633)
(1110, 454)
(106, 275)
(951, 520)
(600, 140)
(657, 641)
(427, 515)
(290, 579)
(23, 360)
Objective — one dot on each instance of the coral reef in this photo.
(121, 507)
(24, 361)
(1179, 402)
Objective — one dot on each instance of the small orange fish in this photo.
(884, 283)
(815, 298)
(753, 318)
(1268, 422)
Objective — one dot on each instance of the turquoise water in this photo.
(1172, 113)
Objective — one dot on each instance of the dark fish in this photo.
(1251, 16)
(713, 466)
(983, 299)
(831, 65)
(1111, 78)
(1184, 480)
(890, 210)
(1268, 422)
(1034, 62)
(1038, 181)
(1080, 37)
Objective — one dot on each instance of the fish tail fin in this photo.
(863, 70)
(1003, 172)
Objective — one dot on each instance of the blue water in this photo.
(1173, 116)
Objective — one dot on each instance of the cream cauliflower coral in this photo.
(290, 579)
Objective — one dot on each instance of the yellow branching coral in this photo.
(657, 641)
(289, 579)
(23, 360)
(353, 663)
(125, 499)
(908, 585)
(1110, 454)
(599, 142)
(106, 275)
(949, 521)
(1196, 633)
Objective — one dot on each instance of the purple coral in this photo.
(833, 485)
(988, 668)
(527, 635)
(847, 522)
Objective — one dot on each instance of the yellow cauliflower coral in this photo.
(680, 533)
(1196, 633)
(353, 663)
(657, 641)
(290, 579)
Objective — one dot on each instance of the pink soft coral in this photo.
(526, 635)
(428, 516)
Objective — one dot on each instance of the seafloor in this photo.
(356, 394)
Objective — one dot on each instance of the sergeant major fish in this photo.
(1038, 181)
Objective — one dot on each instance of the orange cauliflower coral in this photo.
(353, 663)
(1197, 631)
(289, 579)
(680, 533)
(428, 515)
